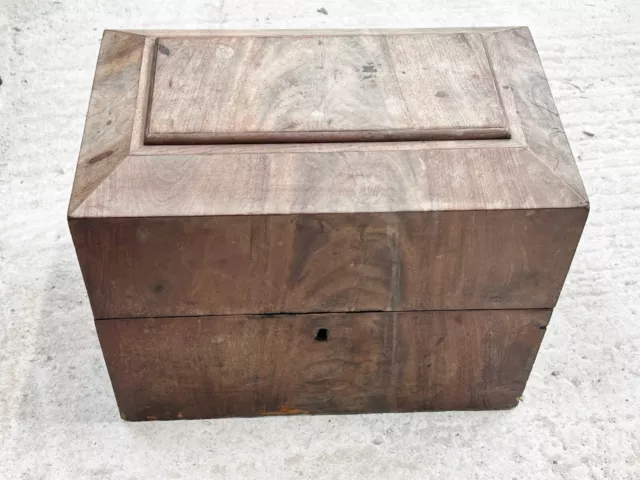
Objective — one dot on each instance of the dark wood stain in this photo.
(323, 263)
(309, 237)
(372, 362)
(163, 49)
(100, 157)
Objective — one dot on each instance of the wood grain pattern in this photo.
(375, 189)
(323, 88)
(329, 182)
(340, 262)
(145, 81)
(168, 368)
(537, 110)
(502, 78)
(382, 243)
(473, 175)
(107, 133)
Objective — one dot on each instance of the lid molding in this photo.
(323, 88)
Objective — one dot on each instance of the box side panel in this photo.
(168, 368)
(141, 267)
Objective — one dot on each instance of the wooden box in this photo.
(281, 222)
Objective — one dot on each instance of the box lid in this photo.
(323, 88)
(451, 186)
(170, 133)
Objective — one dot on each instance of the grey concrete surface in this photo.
(58, 419)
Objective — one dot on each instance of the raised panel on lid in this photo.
(323, 88)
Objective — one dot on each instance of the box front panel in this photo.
(169, 368)
(326, 263)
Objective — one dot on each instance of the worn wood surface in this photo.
(535, 169)
(341, 262)
(145, 83)
(109, 123)
(157, 33)
(400, 234)
(542, 127)
(168, 368)
(412, 212)
(329, 182)
(323, 88)
(503, 80)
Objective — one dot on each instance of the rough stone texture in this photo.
(58, 419)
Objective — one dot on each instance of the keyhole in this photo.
(322, 335)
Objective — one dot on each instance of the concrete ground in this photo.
(58, 419)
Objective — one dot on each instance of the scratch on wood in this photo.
(544, 108)
(100, 157)
(350, 171)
